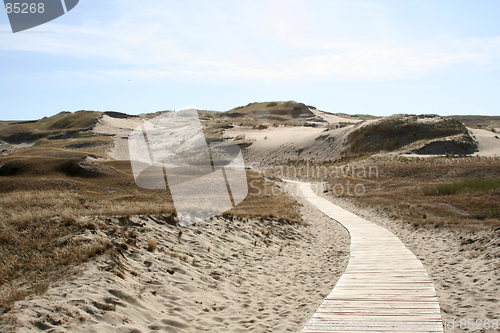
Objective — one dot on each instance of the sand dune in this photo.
(333, 118)
(279, 144)
(488, 142)
(223, 276)
(120, 128)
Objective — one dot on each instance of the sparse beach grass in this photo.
(44, 206)
(453, 192)
(430, 192)
(464, 186)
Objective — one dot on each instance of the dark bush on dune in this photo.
(292, 109)
(22, 137)
(86, 169)
(119, 115)
(13, 168)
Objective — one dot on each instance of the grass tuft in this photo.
(40, 288)
(152, 244)
(464, 186)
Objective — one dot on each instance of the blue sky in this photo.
(373, 57)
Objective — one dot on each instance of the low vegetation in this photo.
(266, 200)
(44, 203)
(397, 131)
(50, 193)
(451, 192)
(482, 122)
(50, 196)
(427, 192)
(272, 112)
(64, 125)
(464, 186)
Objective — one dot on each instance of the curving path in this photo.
(385, 288)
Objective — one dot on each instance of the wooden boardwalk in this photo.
(385, 288)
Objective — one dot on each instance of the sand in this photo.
(8, 148)
(488, 142)
(120, 128)
(222, 276)
(271, 145)
(277, 145)
(333, 118)
(274, 146)
(241, 280)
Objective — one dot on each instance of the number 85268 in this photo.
(25, 8)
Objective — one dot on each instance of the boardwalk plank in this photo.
(383, 281)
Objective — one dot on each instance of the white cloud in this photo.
(283, 43)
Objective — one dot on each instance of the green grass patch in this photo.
(465, 186)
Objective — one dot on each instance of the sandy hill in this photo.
(274, 112)
(421, 132)
(270, 133)
(276, 132)
(63, 125)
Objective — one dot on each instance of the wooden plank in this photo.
(364, 287)
(383, 280)
(392, 280)
(382, 291)
(380, 318)
(371, 310)
(371, 331)
(394, 304)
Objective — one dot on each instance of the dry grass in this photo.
(45, 208)
(49, 191)
(464, 186)
(399, 190)
(280, 113)
(266, 200)
(483, 122)
(63, 125)
(397, 131)
(152, 244)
